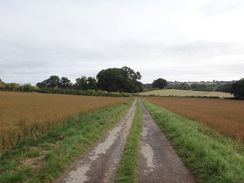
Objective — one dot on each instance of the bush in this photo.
(237, 89)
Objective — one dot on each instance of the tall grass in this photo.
(210, 156)
(128, 167)
(45, 158)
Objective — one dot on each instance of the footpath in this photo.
(157, 161)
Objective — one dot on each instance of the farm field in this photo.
(225, 116)
(31, 114)
(171, 92)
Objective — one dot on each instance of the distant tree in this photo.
(200, 87)
(159, 83)
(184, 86)
(12, 86)
(81, 83)
(237, 89)
(91, 83)
(2, 85)
(52, 82)
(119, 80)
(65, 83)
(225, 87)
(27, 88)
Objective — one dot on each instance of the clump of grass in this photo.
(128, 168)
(44, 158)
(211, 158)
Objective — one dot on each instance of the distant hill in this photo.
(172, 92)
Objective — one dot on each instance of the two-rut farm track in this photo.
(157, 160)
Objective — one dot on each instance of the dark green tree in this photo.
(225, 87)
(52, 82)
(159, 83)
(65, 83)
(2, 85)
(81, 83)
(119, 80)
(91, 83)
(237, 89)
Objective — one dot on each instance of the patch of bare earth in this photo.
(100, 162)
(158, 161)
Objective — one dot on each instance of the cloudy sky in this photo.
(176, 40)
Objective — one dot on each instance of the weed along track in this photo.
(101, 162)
(158, 161)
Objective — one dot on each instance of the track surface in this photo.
(158, 161)
(100, 163)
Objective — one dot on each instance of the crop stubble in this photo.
(225, 116)
(31, 114)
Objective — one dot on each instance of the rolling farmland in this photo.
(32, 114)
(172, 92)
(225, 116)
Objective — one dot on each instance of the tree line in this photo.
(122, 79)
(235, 88)
(108, 82)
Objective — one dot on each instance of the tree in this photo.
(27, 88)
(184, 86)
(159, 83)
(91, 83)
(81, 83)
(119, 80)
(2, 85)
(225, 87)
(65, 83)
(12, 86)
(52, 82)
(237, 89)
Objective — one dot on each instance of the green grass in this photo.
(210, 156)
(45, 158)
(128, 168)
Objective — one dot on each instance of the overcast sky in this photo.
(190, 40)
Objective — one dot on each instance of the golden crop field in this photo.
(31, 114)
(226, 116)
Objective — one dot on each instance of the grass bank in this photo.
(128, 167)
(210, 156)
(43, 159)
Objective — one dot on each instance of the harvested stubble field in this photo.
(173, 92)
(32, 114)
(225, 116)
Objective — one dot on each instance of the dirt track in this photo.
(100, 163)
(158, 161)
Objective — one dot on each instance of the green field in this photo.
(172, 92)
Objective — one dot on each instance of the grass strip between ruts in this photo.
(43, 159)
(128, 167)
(211, 158)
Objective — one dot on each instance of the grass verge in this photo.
(128, 167)
(210, 156)
(44, 159)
